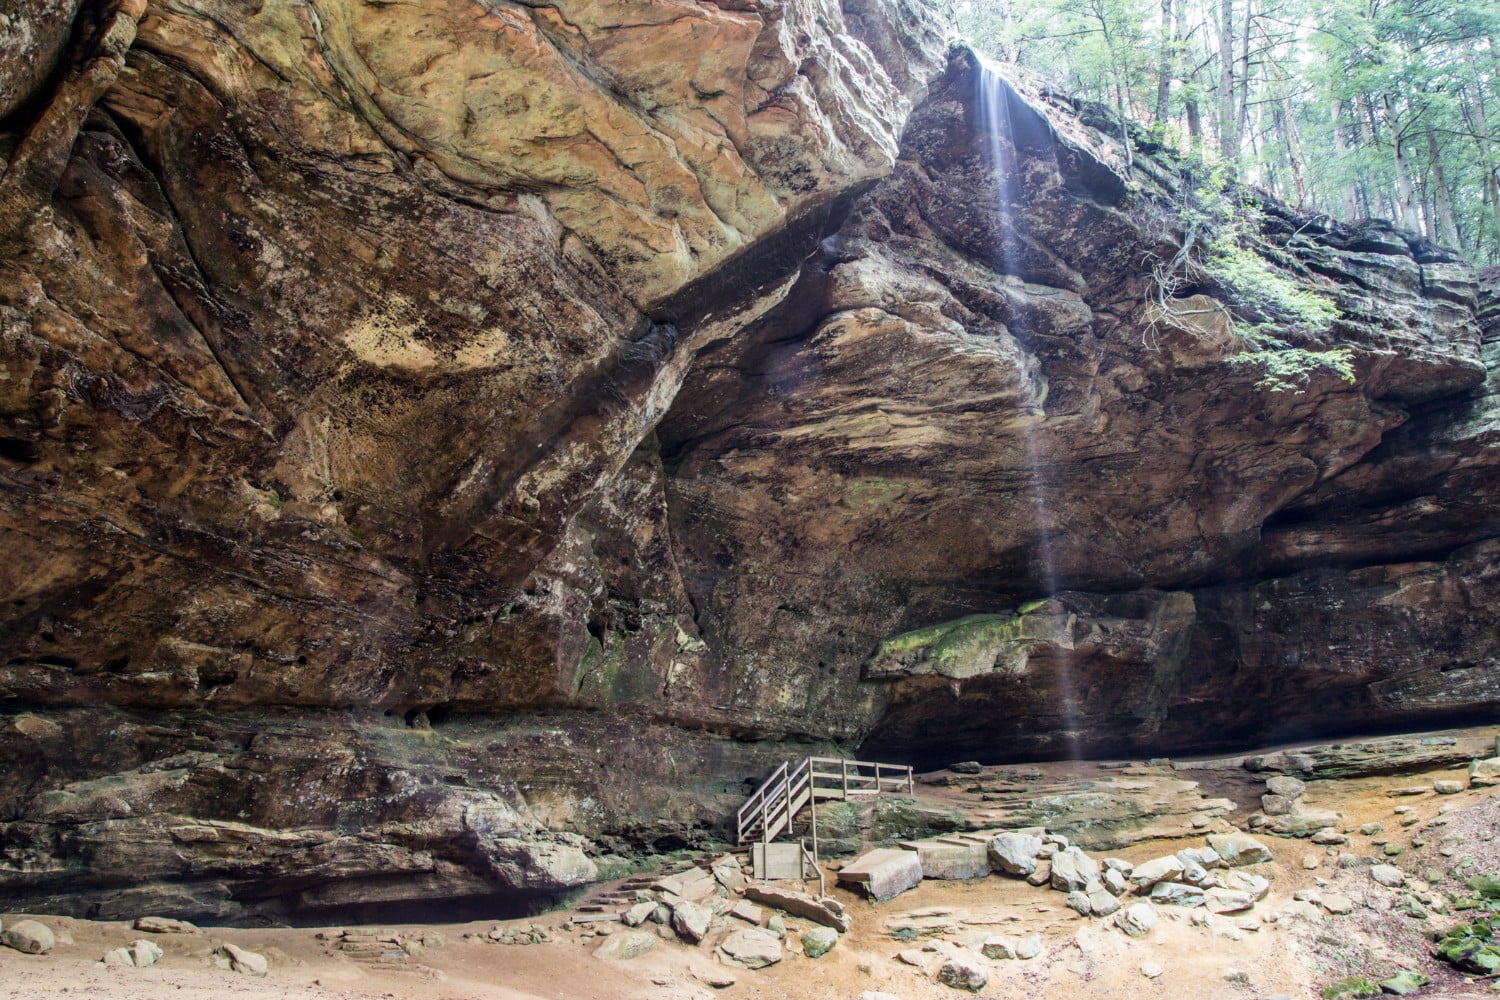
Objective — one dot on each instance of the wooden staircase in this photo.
(789, 790)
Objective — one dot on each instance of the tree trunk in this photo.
(1164, 67)
(1242, 113)
(1341, 143)
(1447, 225)
(1228, 144)
(1492, 175)
(1405, 203)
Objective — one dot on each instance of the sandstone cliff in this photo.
(437, 434)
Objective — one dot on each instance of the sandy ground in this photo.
(1292, 956)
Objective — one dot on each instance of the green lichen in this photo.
(966, 647)
(1351, 988)
(871, 492)
(1472, 947)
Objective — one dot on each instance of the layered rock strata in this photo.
(433, 433)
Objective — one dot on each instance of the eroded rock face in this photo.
(430, 432)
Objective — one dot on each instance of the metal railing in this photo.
(780, 797)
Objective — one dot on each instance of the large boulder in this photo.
(1014, 853)
(29, 936)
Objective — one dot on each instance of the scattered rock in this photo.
(118, 956)
(1176, 894)
(728, 873)
(1301, 823)
(241, 960)
(1073, 870)
(1138, 919)
(828, 912)
(1164, 869)
(1275, 805)
(1336, 903)
(144, 953)
(1351, 988)
(1078, 902)
(691, 921)
(1258, 886)
(967, 767)
(1311, 861)
(1286, 786)
(717, 977)
(30, 937)
(1328, 836)
(753, 947)
(1227, 900)
(1205, 856)
(1484, 773)
(164, 925)
(1115, 882)
(1102, 902)
(747, 911)
(912, 956)
(1237, 977)
(1042, 875)
(626, 945)
(639, 913)
(996, 946)
(1029, 947)
(819, 941)
(1151, 970)
(1404, 983)
(964, 972)
(1446, 787)
(1388, 875)
(1014, 853)
(1238, 850)
(1371, 830)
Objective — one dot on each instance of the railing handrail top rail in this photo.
(858, 763)
(761, 791)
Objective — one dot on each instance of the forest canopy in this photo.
(1359, 108)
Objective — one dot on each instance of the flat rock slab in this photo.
(945, 859)
(626, 945)
(753, 947)
(694, 885)
(799, 904)
(884, 873)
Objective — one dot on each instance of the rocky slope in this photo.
(435, 433)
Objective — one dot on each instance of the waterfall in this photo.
(998, 142)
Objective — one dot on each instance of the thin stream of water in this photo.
(998, 137)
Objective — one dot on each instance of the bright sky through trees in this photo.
(1359, 108)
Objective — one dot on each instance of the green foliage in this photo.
(1354, 108)
(1288, 369)
(1263, 289)
(1220, 233)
